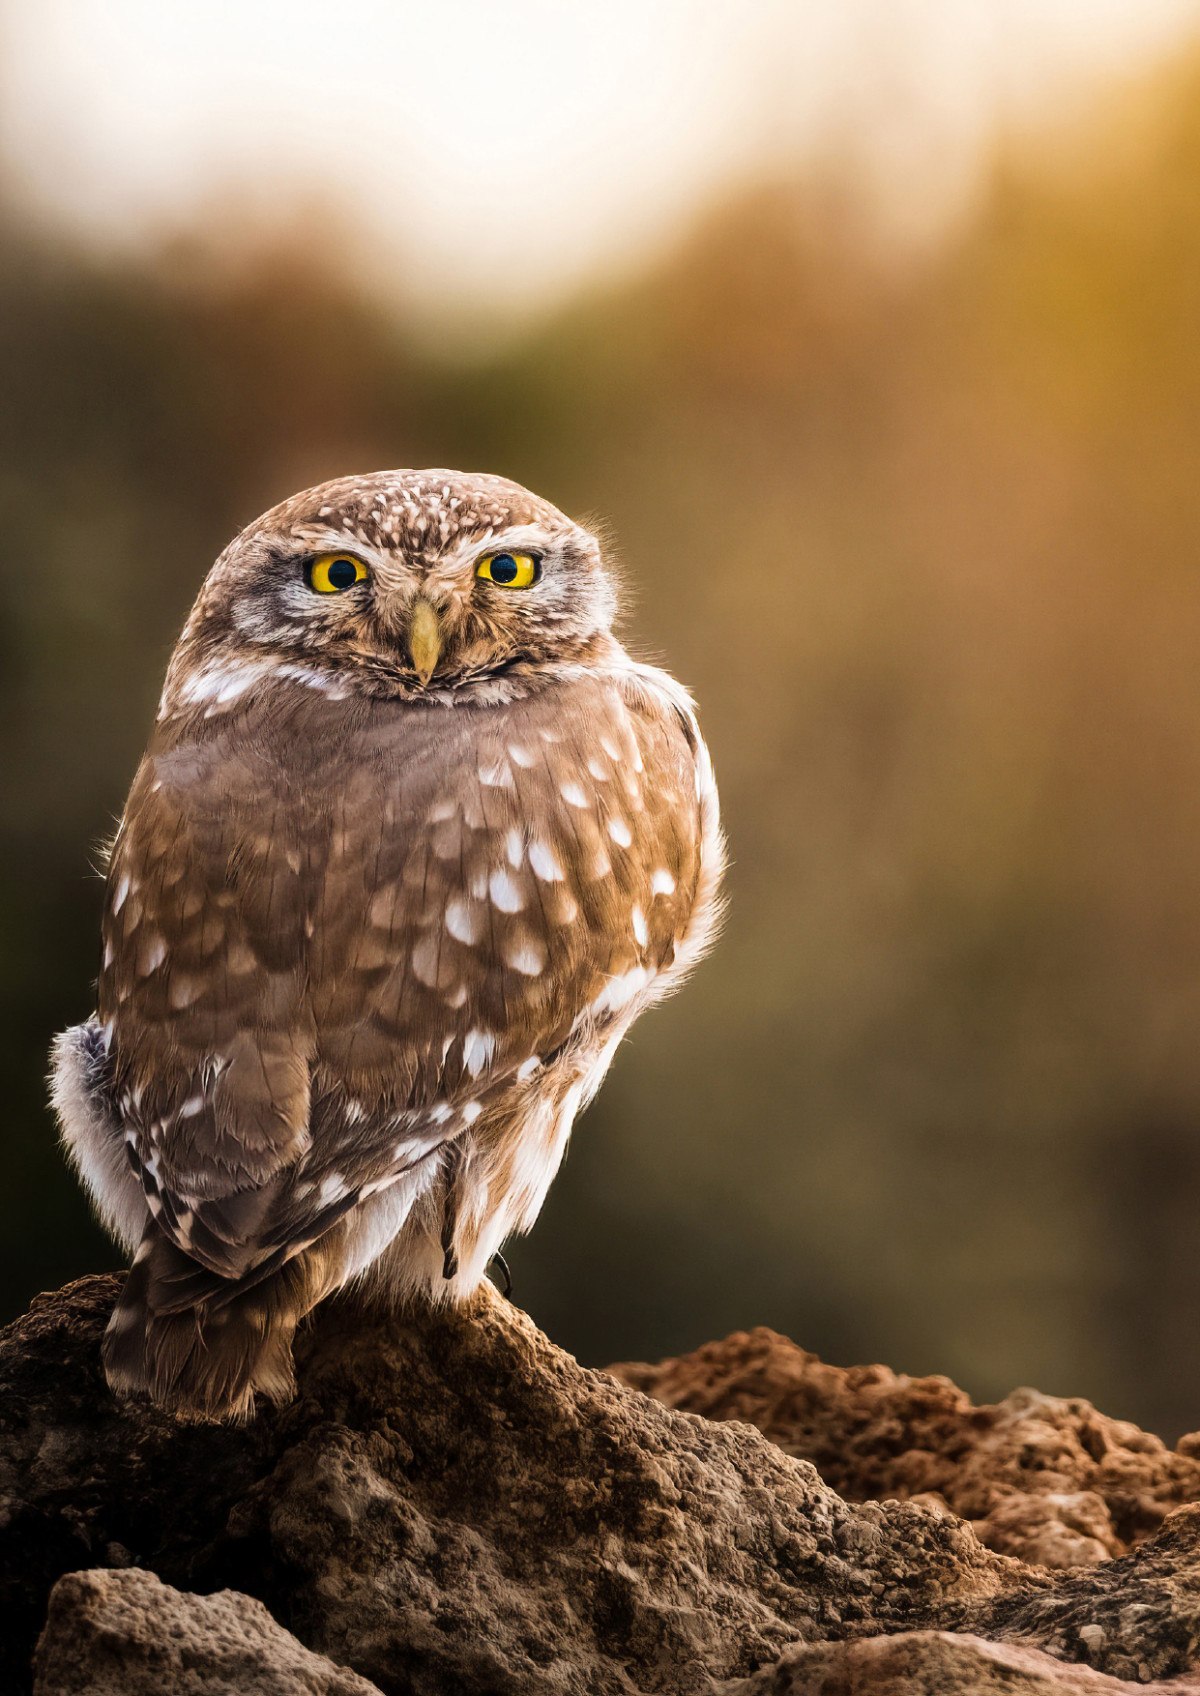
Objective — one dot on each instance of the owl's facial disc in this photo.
(459, 615)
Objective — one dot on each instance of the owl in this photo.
(413, 843)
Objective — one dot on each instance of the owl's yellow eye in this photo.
(510, 571)
(331, 573)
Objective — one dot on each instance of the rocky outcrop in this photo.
(128, 1634)
(1044, 1478)
(454, 1505)
(935, 1663)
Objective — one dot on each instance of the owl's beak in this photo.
(424, 640)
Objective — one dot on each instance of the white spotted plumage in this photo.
(381, 909)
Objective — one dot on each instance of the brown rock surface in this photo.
(1044, 1478)
(453, 1505)
(935, 1663)
(127, 1634)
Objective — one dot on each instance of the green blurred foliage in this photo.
(923, 537)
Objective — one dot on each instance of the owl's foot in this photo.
(450, 1268)
(501, 1265)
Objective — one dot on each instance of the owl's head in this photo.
(418, 584)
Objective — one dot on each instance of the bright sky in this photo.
(498, 152)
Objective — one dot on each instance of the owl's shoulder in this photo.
(267, 739)
(655, 695)
(584, 703)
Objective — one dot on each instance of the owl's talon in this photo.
(501, 1265)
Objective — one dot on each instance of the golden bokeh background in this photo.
(894, 426)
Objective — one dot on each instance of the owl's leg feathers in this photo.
(211, 1359)
(92, 1133)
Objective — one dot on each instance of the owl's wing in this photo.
(533, 869)
(201, 992)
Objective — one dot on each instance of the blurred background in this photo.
(871, 328)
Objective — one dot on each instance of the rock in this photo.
(1137, 1618)
(127, 1634)
(1046, 1479)
(934, 1663)
(454, 1505)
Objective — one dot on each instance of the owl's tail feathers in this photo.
(208, 1359)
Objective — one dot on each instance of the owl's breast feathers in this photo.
(339, 933)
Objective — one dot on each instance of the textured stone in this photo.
(127, 1634)
(1044, 1478)
(934, 1663)
(453, 1505)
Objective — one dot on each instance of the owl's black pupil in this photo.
(342, 573)
(504, 568)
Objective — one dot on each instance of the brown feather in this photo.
(366, 942)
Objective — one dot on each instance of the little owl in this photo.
(413, 844)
